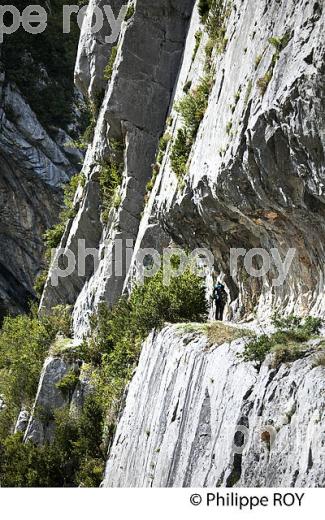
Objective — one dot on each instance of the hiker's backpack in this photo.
(220, 295)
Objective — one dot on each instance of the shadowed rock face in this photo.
(32, 169)
(188, 405)
(27, 208)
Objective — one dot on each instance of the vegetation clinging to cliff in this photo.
(52, 237)
(191, 108)
(77, 454)
(42, 65)
(24, 342)
(286, 343)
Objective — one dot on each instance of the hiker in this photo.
(220, 298)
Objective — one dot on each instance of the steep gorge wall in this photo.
(187, 403)
(134, 111)
(256, 172)
(255, 175)
(255, 183)
(33, 168)
(38, 109)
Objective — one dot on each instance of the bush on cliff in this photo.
(191, 108)
(24, 342)
(76, 457)
(287, 343)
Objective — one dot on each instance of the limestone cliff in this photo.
(187, 407)
(33, 167)
(253, 177)
(37, 112)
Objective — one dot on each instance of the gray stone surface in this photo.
(188, 399)
(22, 422)
(49, 398)
(94, 51)
(32, 168)
(134, 109)
(262, 184)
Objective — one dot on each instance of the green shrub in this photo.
(108, 71)
(258, 60)
(130, 12)
(229, 127)
(257, 349)
(204, 8)
(309, 325)
(24, 343)
(51, 95)
(75, 458)
(115, 342)
(110, 177)
(248, 91)
(198, 38)
(68, 383)
(216, 23)
(191, 108)
(180, 152)
(280, 42)
(187, 87)
(287, 343)
(163, 143)
(264, 81)
(53, 236)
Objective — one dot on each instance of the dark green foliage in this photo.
(75, 458)
(287, 342)
(115, 343)
(68, 383)
(24, 342)
(149, 306)
(108, 71)
(25, 56)
(264, 81)
(129, 12)
(193, 106)
(52, 237)
(281, 42)
(192, 109)
(110, 177)
(163, 143)
(216, 23)
(77, 455)
(198, 38)
(180, 152)
(204, 8)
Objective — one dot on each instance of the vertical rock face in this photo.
(188, 403)
(94, 48)
(254, 179)
(255, 176)
(52, 397)
(49, 398)
(134, 110)
(256, 171)
(32, 169)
